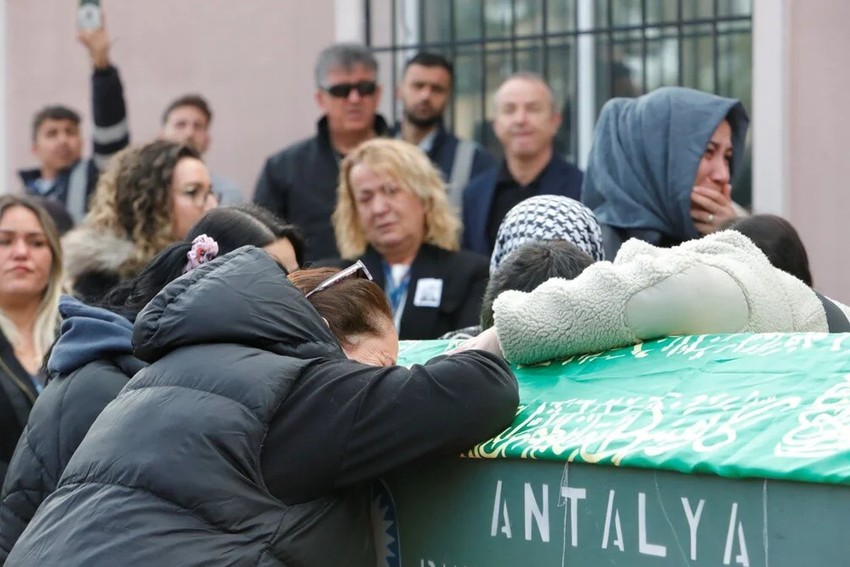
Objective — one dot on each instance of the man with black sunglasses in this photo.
(299, 182)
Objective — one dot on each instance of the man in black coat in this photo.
(526, 122)
(299, 183)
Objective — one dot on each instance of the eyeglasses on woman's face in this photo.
(200, 196)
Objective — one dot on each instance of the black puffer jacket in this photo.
(248, 439)
(89, 365)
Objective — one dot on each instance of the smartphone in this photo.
(88, 15)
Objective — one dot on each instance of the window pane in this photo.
(626, 12)
(698, 54)
(499, 18)
(661, 11)
(734, 8)
(734, 62)
(697, 10)
(662, 58)
(469, 97)
(468, 19)
(528, 15)
(561, 68)
(435, 19)
(560, 16)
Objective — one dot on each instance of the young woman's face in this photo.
(25, 255)
(713, 171)
(283, 251)
(191, 195)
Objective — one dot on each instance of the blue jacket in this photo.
(559, 177)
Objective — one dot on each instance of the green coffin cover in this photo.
(766, 406)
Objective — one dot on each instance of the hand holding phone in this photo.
(89, 15)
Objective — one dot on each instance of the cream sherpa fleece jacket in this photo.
(721, 283)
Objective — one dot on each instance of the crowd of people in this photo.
(220, 384)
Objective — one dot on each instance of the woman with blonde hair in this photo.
(392, 213)
(30, 282)
(148, 198)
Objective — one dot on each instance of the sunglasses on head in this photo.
(342, 90)
(355, 270)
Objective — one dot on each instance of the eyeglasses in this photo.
(355, 270)
(199, 197)
(342, 90)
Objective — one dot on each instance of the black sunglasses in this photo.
(342, 90)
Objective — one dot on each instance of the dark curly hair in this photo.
(133, 198)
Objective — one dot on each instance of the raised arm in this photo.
(111, 132)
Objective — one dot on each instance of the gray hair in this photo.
(343, 56)
(530, 77)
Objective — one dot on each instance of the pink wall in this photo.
(819, 159)
(252, 59)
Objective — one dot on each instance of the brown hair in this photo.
(352, 306)
(47, 316)
(414, 172)
(133, 199)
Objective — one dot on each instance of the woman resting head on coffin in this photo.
(255, 431)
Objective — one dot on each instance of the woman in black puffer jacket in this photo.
(252, 435)
(93, 359)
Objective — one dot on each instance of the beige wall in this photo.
(253, 59)
(818, 130)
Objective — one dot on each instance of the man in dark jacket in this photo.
(89, 364)
(299, 183)
(526, 122)
(62, 173)
(250, 438)
(424, 92)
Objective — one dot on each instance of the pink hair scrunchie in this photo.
(204, 249)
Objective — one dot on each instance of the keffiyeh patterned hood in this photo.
(547, 217)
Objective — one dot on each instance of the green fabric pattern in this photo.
(739, 406)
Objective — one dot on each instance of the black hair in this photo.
(231, 227)
(779, 241)
(193, 100)
(427, 59)
(53, 112)
(277, 226)
(529, 266)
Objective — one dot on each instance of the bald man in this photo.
(526, 121)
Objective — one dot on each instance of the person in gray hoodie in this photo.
(93, 358)
(661, 164)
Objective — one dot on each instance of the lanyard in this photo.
(396, 293)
